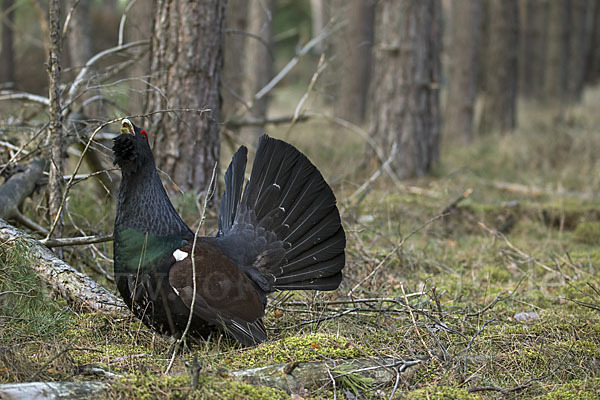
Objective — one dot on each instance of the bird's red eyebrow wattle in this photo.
(143, 132)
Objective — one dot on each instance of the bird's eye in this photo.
(143, 132)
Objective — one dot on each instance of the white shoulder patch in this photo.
(180, 255)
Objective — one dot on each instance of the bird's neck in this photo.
(143, 205)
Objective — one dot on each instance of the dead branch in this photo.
(292, 63)
(452, 206)
(315, 374)
(78, 289)
(34, 98)
(81, 77)
(284, 119)
(18, 187)
(77, 241)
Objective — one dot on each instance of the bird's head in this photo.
(131, 148)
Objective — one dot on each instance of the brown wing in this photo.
(225, 296)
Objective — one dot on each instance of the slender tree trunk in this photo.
(405, 87)
(353, 54)
(579, 42)
(139, 27)
(259, 61)
(463, 69)
(557, 54)
(592, 71)
(500, 96)
(236, 23)
(55, 139)
(533, 44)
(319, 11)
(81, 50)
(7, 54)
(186, 63)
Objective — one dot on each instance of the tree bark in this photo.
(186, 63)
(7, 52)
(55, 138)
(532, 40)
(463, 69)
(579, 41)
(259, 63)
(405, 89)
(555, 82)
(236, 24)
(500, 96)
(353, 55)
(592, 72)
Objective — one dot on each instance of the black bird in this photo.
(282, 233)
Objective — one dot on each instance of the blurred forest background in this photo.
(461, 138)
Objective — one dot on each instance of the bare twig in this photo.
(88, 65)
(292, 63)
(76, 241)
(372, 179)
(208, 194)
(34, 98)
(320, 68)
(471, 342)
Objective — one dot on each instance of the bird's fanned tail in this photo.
(289, 218)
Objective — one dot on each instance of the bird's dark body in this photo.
(284, 233)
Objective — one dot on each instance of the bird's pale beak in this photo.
(127, 127)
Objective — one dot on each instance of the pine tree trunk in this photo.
(236, 24)
(7, 52)
(592, 71)
(405, 87)
(555, 80)
(259, 62)
(532, 40)
(353, 55)
(500, 96)
(579, 42)
(186, 63)
(463, 69)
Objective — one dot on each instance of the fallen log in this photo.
(77, 288)
(18, 187)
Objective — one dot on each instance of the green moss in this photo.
(440, 393)
(311, 347)
(576, 389)
(588, 232)
(146, 386)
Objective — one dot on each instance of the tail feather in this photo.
(329, 283)
(321, 252)
(234, 179)
(319, 270)
(287, 219)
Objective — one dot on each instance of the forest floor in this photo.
(486, 275)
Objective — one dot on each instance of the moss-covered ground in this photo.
(500, 294)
